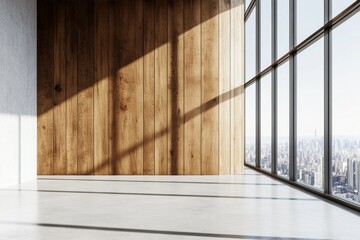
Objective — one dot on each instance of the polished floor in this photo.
(247, 206)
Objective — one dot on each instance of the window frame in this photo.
(323, 32)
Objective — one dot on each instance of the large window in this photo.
(247, 3)
(283, 21)
(302, 94)
(265, 159)
(250, 41)
(250, 122)
(346, 111)
(310, 17)
(340, 5)
(265, 13)
(283, 120)
(310, 115)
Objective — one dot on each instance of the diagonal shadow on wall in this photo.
(97, 60)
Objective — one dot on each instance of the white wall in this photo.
(17, 91)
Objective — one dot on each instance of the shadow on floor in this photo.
(149, 231)
(153, 181)
(163, 195)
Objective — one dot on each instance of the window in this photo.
(250, 122)
(346, 119)
(283, 120)
(250, 41)
(265, 159)
(283, 18)
(339, 5)
(265, 12)
(247, 3)
(310, 115)
(308, 92)
(310, 17)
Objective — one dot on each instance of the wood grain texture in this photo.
(209, 88)
(59, 89)
(136, 130)
(129, 88)
(149, 87)
(192, 85)
(161, 87)
(45, 85)
(85, 88)
(224, 87)
(111, 95)
(176, 87)
(101, 87)
(140, 87)
(71, 51)
(123, 45)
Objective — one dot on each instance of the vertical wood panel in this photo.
(161, 126)
(129, 88)
(149, 87)
(224, 87)
(192, 86)
(123, 44)
(136, 132)
(209, 88)
(59, 89)
(85, 88)
(176, 87)
(112, 77)
(237, 27)
(71, 50)
(101, 88)
(45, 87)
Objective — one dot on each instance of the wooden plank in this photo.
(123, 75)
(209, 88)
(176, 87)
(45, 65)
(112, 77)
(59, 89)
(136, 131)
(129, 88)
(71, 87)
(192, 86)
(149, 87)
(101, 77)
(85, 88)
(121, 159)
(161, 127)
(224, 87)
(237, 81)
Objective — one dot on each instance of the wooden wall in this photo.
(140, 87)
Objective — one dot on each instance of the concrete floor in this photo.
(247, 206)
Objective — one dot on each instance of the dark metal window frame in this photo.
(323, 32)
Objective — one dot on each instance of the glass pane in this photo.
(250, 41)
(283, 119)
(310, 17)
(346, 113)
(265, 14)
(310, 115)
(247, 3)
(250, 124)
(339, 5)
(283, 18)
(265, 160)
